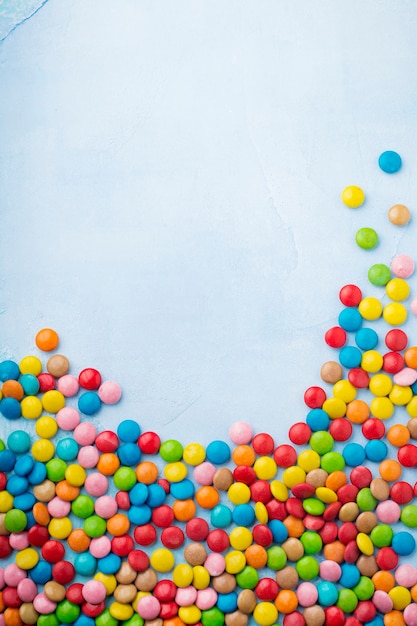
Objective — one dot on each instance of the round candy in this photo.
(366, 238)
(389, 161)
(379, 274)
(240, 433)
(402, 266)
(47, 339)
(109, 392)
(353, 196)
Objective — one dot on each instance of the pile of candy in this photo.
(107, 528)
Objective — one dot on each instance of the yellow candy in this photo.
(46, 427)
(60, 527)
(240, 538)
(395, 313)
(334, 407)
(397, 289)
(380, 385)
(261, 512)
(265, 614)
(400, 597)
(370, 308)
(120, 611)
(293, 476)
(372, 361)
(308, 460)
(235, 561)
(201, 577)
(182, 575)
(53, 401)
(400, 396)
(108, 580)
(75, 475)
(412, 407)
(279, 490)
(194, 453)
(30, 365)
(31, 407)
(326, 495)
(265, 468)
(239, 493)
(43, 450)
(364, 544)
(353, 196)
(344, 390)
(27, 558)
(175, 472)
(162, 560)
(381, 408)
(189, 614)
(6, 501)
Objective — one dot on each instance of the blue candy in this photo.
(354, 454)
(318, 419)
(41, 573)
(85, 564)
(128, 431)
(218, 452)
(89, 403)
(10, 408)
(350, 575)
(227, 602)
(389, 162)
(18, 441)
(183, 490)
(109, 564)
(243, 515)
(221, 516)
(138, 494)
(17, 485)
(129, 454)
(350, 319)
(9, 370)
(67, 449)
(328, 593)
(349, 356)
(376, 450)
(279, 530)
(38, 473)
(403, 543)
(30, 384)
(366, 339)
(156, 495)
(139, 515)
(24, 465)
(7, 460)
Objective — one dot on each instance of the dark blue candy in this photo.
(7, 460)
(403, 543)
(10, 408)
(129, 454)
(41, 573)
(138, 494)
(24, 465)
(25, 502)
(9, 370)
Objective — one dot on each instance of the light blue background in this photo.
(170, 178)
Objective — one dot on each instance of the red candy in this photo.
(401, 492)
(293, 619)
(295, 508)
(350, 295)
(244, 474)
(396, 339)
(285, 455)
(276, 510)
(162, 516)
(303, 490)
(340, 429)
(123, 500)
(38, 535)
(138, 560)
(329, 531)
(300, 433)
(393, 362)
(11, 598)
(260, 491)
(335, 337)
(347, 493)
(63, 572)
(74, 593)
(165, 590)
(168, 609)
(313, 522)
(361, 476)
(407, 455)
(53, 551)
(107, 441)
(387, 559)
(149, 442)
(263, 444)
(218, 540)
(334, 616)
(314, 397)
(46, 381)
(347, 532)
(93, 610)
(365, 611)
(89, 378)
(5, 548)
(262, 535)
(145, 535)
(122, 545)
(358, 378)
(352, 552)
(172, 537)
(267, 589)
(197, 529)
(373, 428)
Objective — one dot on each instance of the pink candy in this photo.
(13, 575)
(85, 434)
(186, 596)
(382, 601)
(410, 614)
(148, 607)
(307, 594)
(88, 457)
(68, 385)
(330, 570)
(96, 484)
(100, 547)
(206, 598)
(241, 433)
(110, 392)
(27, 590)
(94, 592)
(215, 564)
(68, 418)
(402, 266)
(19, 541)
(43, 605)
(406, 575)
(58, 508)
(406, 377)
(204, 473)
(388, 512)
(106, 507)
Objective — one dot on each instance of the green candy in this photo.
(347, 601)
(15, 520)
(55, 470)
(332, 462)
(248, 578)
(321, 442)
(212, 617)
(307, 567)
(2, 445)
(364, 589)
(95, 526)
(365, 500)
(48, 620)
(171, 450)
(381, 535)
(135, 620)
(67, 612)
(312, 542)
(82, 506)
(409, 516)
(106, 619)
(313, 506)
(379, 274)
(125, 478)
(366, 238)
(277, 558)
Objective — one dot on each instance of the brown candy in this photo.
(367, 565)
(153, 622)
(237, 618)
(3, 529)
(125, 593)
(146, 581)
(54, 591)
(412, 427)
(399, 214)
(366, 521)
(380, 489)
(246, 601)
(225, 583)
(27, 613)
(317, 477)
(314, 615)
(223, 478)
(287, 577)
(57, 365)
(293, 548)
(126, 574)
(45, 491)
(349, 512)
(331, 372)
(195, 554)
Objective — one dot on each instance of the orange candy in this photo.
(335, 480)
(207, 497)
(41, 514)
(78, 540)
(184, 510)
(108, 464)
(146, 472)
(12, 389)
(174, 621)
(383, 580)
(390, 470)
(334, 551)
(47, 339)
(67, 492)
(394, 618)
(398, 435)
(256, 556)
(410, 357)
(12, 617)
(294, 525)
(286, 601)
(357, 411)
(243, 455)
(118, 525)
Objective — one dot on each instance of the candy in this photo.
(389, 161)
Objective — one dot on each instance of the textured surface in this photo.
(170, 192)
